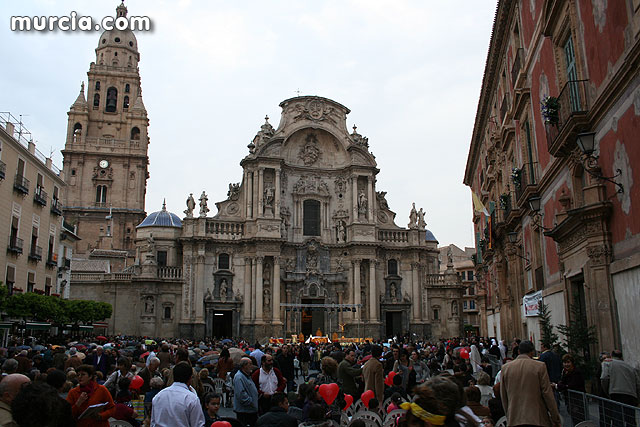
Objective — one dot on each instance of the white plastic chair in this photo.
(502, 422)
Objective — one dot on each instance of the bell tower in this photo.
(105, 155)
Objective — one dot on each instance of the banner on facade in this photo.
(531, 304)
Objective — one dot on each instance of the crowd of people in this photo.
(453, 382)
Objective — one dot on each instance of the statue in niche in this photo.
(284, 226)
(341, 232)
(454, 308)
(362, 202)
(413, 218)
(203, 205)
(393, 292)
(312, 261)
(421, 223)
(223, 289)
(148, 305)
(151, 244)
(291, 264)
(267, 298)
(339, 266)
(191, 205)
(269, 194)
(207, 295)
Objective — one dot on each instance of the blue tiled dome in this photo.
(161, 218)
(429, 237)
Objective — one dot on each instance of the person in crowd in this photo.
(124, 370)
(403, 367)
(373, 372)
(211, 408)
(484, 385)
(475, 359)
(420, 367)
(395, 402)
(396, 388)
(526, 391)
(495, 405)
(305, 358)
(178, 404)
(572, 379)
(74, 360)
(552, 361)
(424, 411)
(88, 393)
(59, 358)
(278, 413)
(57, 379)
(622, 383)
(316, 416)
(225, 363)
(348, 372)
(285, 364)
(245, 397)
(164, 356)
(52, 410)
(123, 408)
(328, 371)
(99, 361)
(374, 405)
(257, 354)
(268, 381)
(9, 366)
(9, 388)
(24, 363)
(148, 372)
(473, 396)
(451, 394)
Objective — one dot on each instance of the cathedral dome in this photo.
(429, 237)
(162, 218)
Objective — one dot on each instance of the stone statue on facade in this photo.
(234, 191)
(223, 289)
(268, 197)
(413, 218)
(203, 205)
(449, 257)
(421, 223)
(393, 292)
(207, 295)
(283, 227)
(148, 305)
(191, 205)
(341, 232)
(382, 199)
(362, 202)
(267, 298)
(151, 244)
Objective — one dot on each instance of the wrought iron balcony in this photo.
(574, 104)
(52, 260)
(56, 207)
(525, 183)
(3, 169)
(21, 184)
(65, 265)
(15, 245)
(40, 196)
(35, 253)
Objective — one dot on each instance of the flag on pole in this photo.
(477, 204)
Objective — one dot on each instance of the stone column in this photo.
(356, 288)
(249, 195)
(247, 204)
(340, 302)
(370, 201)
(246, 297)
(260, 192)
(276, 199)
(373, 292)
(354, 181)
(253, 288)
(259, 295)
(256, 202)
(415, 291)
(275, 297)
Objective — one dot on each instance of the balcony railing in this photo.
(527, 179)
(222, 229)
(3, 169)
(169, 272)
(573, 103)
(394, 236)
(65, 265)
(21, 184)
(40, 196)
(35, 253)
(15, 245)
(101, 205)
(56, 206)
(505, 206)
(52, 260)
(518, 62)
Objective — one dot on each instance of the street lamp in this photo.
(534, 203)
(586, 141)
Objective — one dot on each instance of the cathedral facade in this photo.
(305, 242)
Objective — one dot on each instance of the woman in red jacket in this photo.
(87, 393)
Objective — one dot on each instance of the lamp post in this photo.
(586, 141)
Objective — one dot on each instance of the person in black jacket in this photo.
(277, 415)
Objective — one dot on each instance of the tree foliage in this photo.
(579, 335)
(549, 337)
(32, 306)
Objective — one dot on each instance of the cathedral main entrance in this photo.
(393, 323)
(312, 318)
(222, 324)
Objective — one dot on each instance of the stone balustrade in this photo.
(169, 272)
(394, 236)
(225, 229)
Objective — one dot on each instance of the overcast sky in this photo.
(409, 71)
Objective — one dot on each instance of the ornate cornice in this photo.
(580, 224)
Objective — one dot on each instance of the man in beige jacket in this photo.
(526, 391)
(373, 373)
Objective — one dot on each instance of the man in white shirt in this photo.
(177, 405)
(268, 380)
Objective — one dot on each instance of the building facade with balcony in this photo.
(31, 188)
(551, 159)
